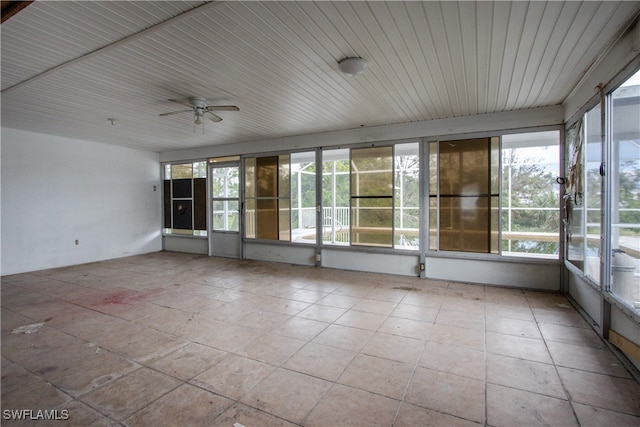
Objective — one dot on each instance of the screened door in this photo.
(225, 209)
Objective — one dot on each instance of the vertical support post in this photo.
(423, 184)
(605, 217)
(319, 207)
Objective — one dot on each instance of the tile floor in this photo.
(174, 339)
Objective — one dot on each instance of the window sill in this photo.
(493, 257)
(187, 236)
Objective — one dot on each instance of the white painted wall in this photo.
(58, 190)
(186, 244)
(263, 251)
(586, 296)
(514, 273)
(372, 262)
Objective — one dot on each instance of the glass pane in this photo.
(225, 182)
(433, 193)
(177, 231)
(250, 177)
(284, 219)
(530, 194)
(433, 168)
(167, 172)
(335, 196)
(182, 188)
(574, 205)
(219, 215)
(577, 241)
(625, 192)
(593, 193)
(495, 224)
(303, 197)
(284, 176)
(284, 195)
(495, 166)
(267, 177)
(182, 215)
(226, 215)
(200, 204)
(267, 219)
(224, 159)
(433, 223)
(464, 224)
(372, 172)
(182, 171)
(372, 220)
(250, 219)
(200, 170)
(464, 167)
(166, 200)
(407, 196)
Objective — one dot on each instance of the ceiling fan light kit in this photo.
(353, 66)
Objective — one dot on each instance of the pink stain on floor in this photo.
(123, 297)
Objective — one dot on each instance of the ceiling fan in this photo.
(199, 106)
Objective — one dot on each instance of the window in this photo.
(262, 198)
(371, 196)
(582, 196)
(280, 197)
(185, 195)
(624, 181)
(495, 195)
(463, 195)
(620, 212)
(530, 194)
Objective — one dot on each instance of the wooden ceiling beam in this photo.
(10, 8)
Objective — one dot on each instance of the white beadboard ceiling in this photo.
(69, 66)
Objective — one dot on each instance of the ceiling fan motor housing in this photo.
(198, 102)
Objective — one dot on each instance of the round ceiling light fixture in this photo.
(352, 65)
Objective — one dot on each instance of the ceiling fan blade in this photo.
(222, 108)
(175, 112)
(214, 117)
(184, 101)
